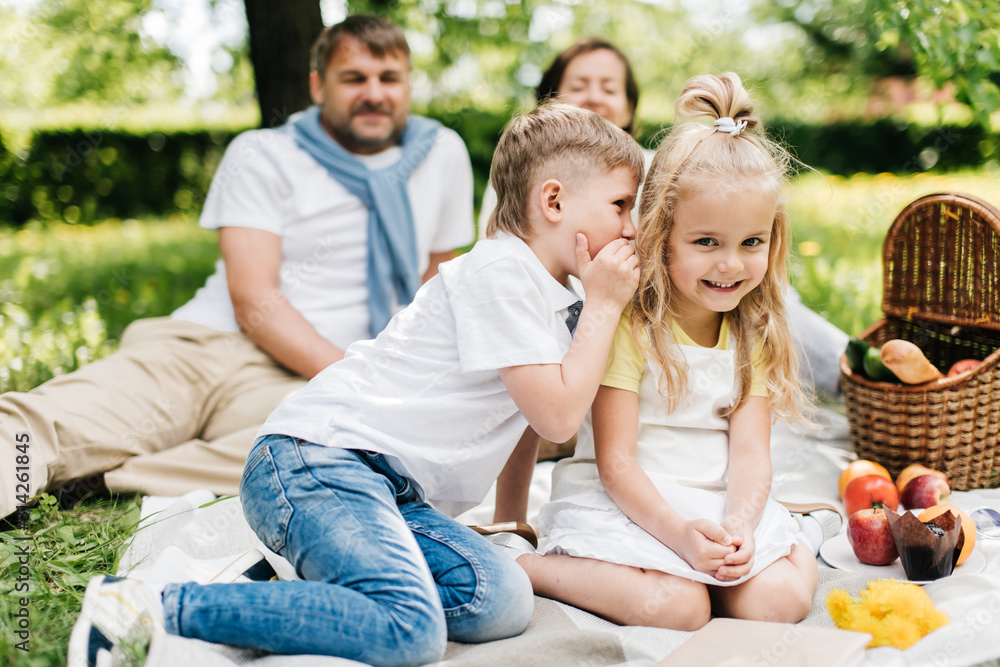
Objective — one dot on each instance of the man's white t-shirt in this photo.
(427, 391)
(265, 181)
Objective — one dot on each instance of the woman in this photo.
(594, 74)
(591, 74)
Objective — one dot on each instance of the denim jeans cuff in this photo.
(172, 608)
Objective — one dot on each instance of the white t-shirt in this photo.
(265, 181)
(427, 391)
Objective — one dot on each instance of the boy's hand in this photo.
(740, 562)
(612, 275)
(705, 545)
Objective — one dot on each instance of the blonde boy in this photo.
(353, 478)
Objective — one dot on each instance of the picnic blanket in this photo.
(189, 539)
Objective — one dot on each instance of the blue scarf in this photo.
(392, 239)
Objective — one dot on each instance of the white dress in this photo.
(686, 455)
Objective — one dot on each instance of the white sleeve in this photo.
(248, 189)
(455, 227)
(502, 319)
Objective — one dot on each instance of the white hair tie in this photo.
(729, 125)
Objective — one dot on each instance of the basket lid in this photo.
(941, 262)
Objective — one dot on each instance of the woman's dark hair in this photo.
(552, 78)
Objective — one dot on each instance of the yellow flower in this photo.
(894, 613)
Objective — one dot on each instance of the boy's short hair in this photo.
(381, 37)
(553, 141)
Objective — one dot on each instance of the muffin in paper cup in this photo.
(926, 555)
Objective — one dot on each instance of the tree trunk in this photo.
(281, 35)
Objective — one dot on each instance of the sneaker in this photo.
(73, 492)
(117, 623)
(829, 520)
(818, 526)
(251, 566)
(512, 544)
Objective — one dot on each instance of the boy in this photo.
(351, 479)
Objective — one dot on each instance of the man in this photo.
(326, 226)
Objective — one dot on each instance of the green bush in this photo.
(480, 130)
(6, 179)
(878, 146)
(83, 175)
(887, 146)
(87, 175)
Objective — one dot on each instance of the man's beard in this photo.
(367, 142)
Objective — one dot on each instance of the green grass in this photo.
(67, 292)
(65, 548)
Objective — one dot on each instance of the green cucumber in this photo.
(875, 369)
(855, 353)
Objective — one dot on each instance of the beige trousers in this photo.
(176, 408)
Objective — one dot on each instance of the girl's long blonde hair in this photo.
(695, 156)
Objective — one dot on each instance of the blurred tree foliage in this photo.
(807, 60)
(60, 51)
(489, 54)
(956, 43)
(113, 52)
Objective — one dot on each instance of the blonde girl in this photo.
(673, 523)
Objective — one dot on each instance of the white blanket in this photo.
(183, 540)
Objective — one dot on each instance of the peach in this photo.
(860, 468)
(925, 491)
(914, 470)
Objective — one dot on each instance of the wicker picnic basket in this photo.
(941, 270)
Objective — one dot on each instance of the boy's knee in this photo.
(424, 649)
(519, 604)
(504, 611)
(422, 635)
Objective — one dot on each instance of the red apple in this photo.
(863, 492)
(870, 537)
(925, 491)
(913, 471)
(962, 366)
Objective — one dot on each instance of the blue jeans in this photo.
(388, 578)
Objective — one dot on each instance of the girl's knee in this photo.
(788, 602)
(674, 604)
(798, 603)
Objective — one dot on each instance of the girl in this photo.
(673, 523)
